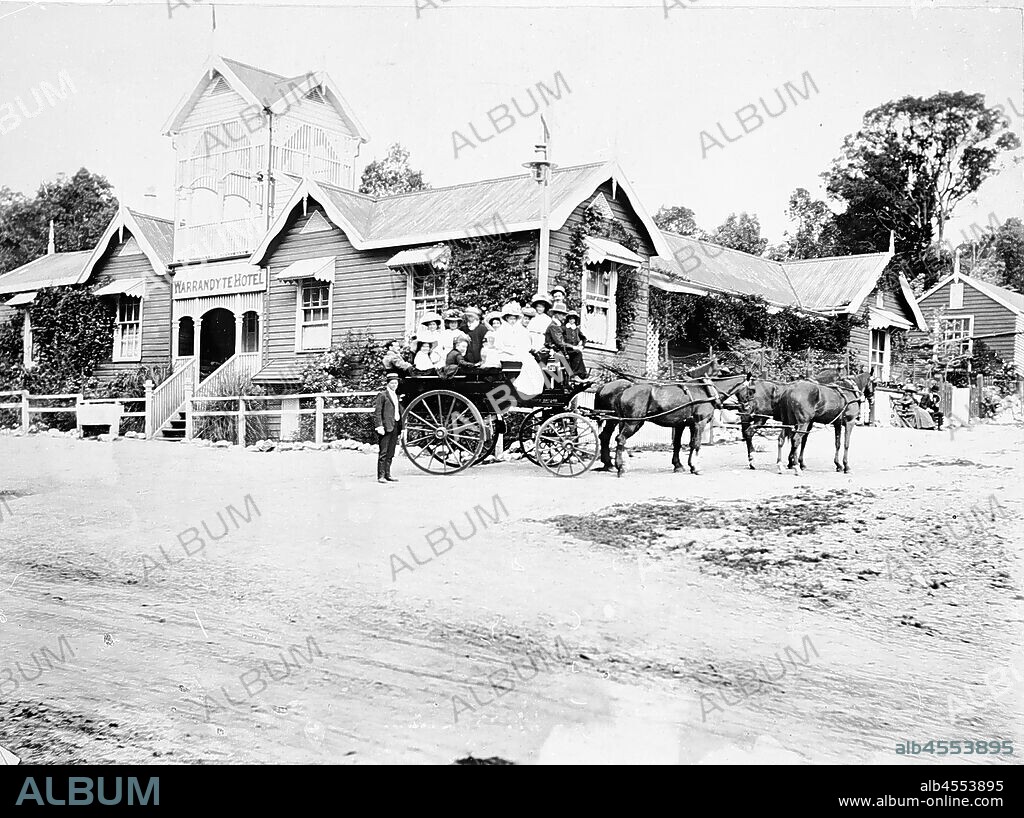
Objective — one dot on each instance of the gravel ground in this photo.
(502, 615)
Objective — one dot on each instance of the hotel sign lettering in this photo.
(218, 281)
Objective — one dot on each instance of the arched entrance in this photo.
(216, 340)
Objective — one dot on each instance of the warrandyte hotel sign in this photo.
(204, 279)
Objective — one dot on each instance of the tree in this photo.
(1009, 249)
(81, 207)
(391, 175)
(908, 167)
(816, 234)
(677, 219)
(741, 232)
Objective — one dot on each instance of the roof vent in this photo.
(316, 96)
(220, 86)
(600, 204)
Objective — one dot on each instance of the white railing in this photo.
(320, 410)
(170, 395)
(25, 405)
(240, 365)
(211, 240)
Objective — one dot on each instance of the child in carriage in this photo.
(455, 362)
(428, 359)
(575, 340)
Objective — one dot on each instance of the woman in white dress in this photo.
(513, 343)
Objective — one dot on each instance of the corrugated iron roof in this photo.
(820, 284)
(1014, 299)
(53, 270)
(158, 232)
(837, 282)
(266, 86)
(720, 269)
(485, 207)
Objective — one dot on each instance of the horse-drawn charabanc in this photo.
(452, 423)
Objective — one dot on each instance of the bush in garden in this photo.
(354, 365)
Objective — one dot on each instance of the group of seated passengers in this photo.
(467, 344)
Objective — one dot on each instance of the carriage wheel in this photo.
(528, 433)
(444, 432)
(567, 444)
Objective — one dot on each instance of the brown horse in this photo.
(804, 403)
(758, 402)
(681, 405)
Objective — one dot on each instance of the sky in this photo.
(643, 84)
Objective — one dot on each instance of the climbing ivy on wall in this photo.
(72, 331)
(11, 356)
(628, 286)
(719, 321)
(489, 272)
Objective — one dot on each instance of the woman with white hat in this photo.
(513, 342)
(539, 323)
(446, 337)
(430, 327)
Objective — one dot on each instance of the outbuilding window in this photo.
(956, 335)
(128, 330)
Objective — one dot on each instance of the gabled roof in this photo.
(488, 207)
(1010, 299)
(835, 284)
(155, 236)
(52, 270)
(266, 90)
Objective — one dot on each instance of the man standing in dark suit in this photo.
(387, 421)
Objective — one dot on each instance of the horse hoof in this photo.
(620, 473)
(750, 466)
(677, 469)
(780, 470)
(694, 471)
(603, 468)
(847, 470)
(839, 468)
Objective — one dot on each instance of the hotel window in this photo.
(429, 290)
(314, 315)
(250, 332)
(128, 330)
(956, 335)
(879, 354)
(599, 304)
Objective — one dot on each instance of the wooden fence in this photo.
(241, 411)
(25, 405)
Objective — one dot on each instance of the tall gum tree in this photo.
(910, 164)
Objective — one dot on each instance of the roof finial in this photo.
(51, 247)
(892, 241)
(956, 264)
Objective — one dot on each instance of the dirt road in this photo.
(150, 611)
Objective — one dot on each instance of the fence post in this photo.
(149, 408)
(241, 421)
(188, 414)
(24, 411)
(318, 433)
(79, 399)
